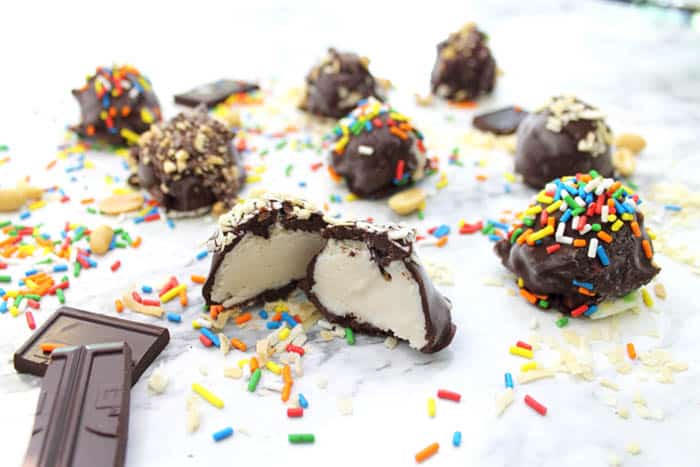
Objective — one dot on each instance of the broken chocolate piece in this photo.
(261, 250)
(369, 278)
(214, 93)
(500, 122)
(82, 417)
(70, 327)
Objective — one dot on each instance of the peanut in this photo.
(100, 239)
(407, 201)
(631, 141)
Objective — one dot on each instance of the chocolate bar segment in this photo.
(214, 93)
(82, 416)
(500, 122)
(71, 327)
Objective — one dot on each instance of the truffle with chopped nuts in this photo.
(337, 84)
(189, 163)
(261, 250)
(117, 104)
(377, 150)
(368, 277)
(465, 68)
(564, 137)
(582, 241)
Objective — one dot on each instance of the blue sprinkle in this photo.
(125, 165)
(566, 216)
(498, 225)
(202, 254)
(585, 285)
(303, 402)
(457, 439)
(287, 318)
(31, 272)
(170, 223)
(302, 184)
(506, 188)
(138, 220)
(263, 314)
(2, 292)
(591, 309)
(673, 207)
(603, 256)
(146, 289)
(211, 336)
(174, 317)
(3, 307)
(443, 230)
(222, 434)
(494, 238)
(21, 283)
(25, 215)
(91, 262)
(509, 380)
(273, 324)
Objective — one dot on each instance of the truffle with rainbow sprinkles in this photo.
(581, 242)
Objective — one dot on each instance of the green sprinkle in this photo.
(281, 144)
(349, 336)
(594, 173)
(119, 245)
(4, 147)
(78, 237)
(529, 221)
(288, 170)
(33, 296)
(596, 227)
(64, 278)
(5, 279)
(264, 152)
(630, 297)
(18, 300)
(76, 269)
(127, 238)
(563, 321)
(91, 210)
(254, 380)
(571, 202)
(421, 216)
(301, 438)
(488, 229)
(61, 296)
(543, 304)
(46, 261)
(516, 234)
(4, 224)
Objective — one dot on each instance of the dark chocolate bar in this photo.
(82, 417)
(211, 94)
(70, 327)
(500, 122)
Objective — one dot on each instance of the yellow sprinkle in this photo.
(431, 407)
(461, 223)
(612, 218)
(260, 169)
(521, 283)
(103, 115)
(629, 190)
(520, 352)
(284, 333)
(540, 234)
(109, 180)
(617, 225)
(646, 297)
(532, 210)
(11, 293)
(509, 177)
(14, 311)
(554, 206)
(146, 115)
(351, 197)
(253, 178)
(37, 204)
(442, 183)
(243, 362)
(651, 234)
(89, 165)
(528, 366)
(195, 324)
(122, 152)
(122, 191)
(208, 396)
(145, 210)
(273, 367)
(545, 199)
(129, 135)
(627, 217)
(31, 284)
(340, 145)
(172, 293)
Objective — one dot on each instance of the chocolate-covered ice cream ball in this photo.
(336, 84)
(189, 163)
(564, 137)
(581, 242)
(377, 150)
(117, 104)
(464, 68)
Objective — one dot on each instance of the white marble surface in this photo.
(645, 74)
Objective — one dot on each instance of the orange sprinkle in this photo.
(647, 249)
(635, 229)
(240, 345)
(529, 296)
(277, 316)
(126, 110)
(550, 221)
(427, 452)
(523, 236)
(119, 305)
(254, 365)
(183, 297)
(613, 188)
(585, 291)
(51, 165)
(286, 391)
(631, 351)
(198, 279)
(463, 105)
(87, 201)
(244, 318)
(482, 178)
(287, 374)
(334, 175)
(48, 347)
(442, 241)
(396, 132)
(90, 130)
(579, 242)
(136, 243)
(605, 236)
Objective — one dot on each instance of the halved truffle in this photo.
(377, 150)
(368, 277)
(564, 137)
(465, 68)
(117, 104)
(261, 250)
(336, 84)
(189, 163)
(581, 242)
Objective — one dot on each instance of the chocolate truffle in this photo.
(261, 250)
(189, 163)
(581, 242)
(116, 105)
(369, 278)
(465, 68)
(337, 84)
(564, 137)
(377, 150)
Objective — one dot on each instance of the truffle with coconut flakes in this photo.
(369, 278)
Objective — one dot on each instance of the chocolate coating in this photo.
(369, 159)
(386, 247)
(189, 163)
(116, 105)
(565, 137)
(553, 274)
(336, 84)
(464, 68)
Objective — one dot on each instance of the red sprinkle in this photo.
(536, 406)
(294, 412)
(3, 265)
(523, 345)
(83, 262)
(33, 303)
(115, 266)
(399, 168)
(449, 395)
(136, 296)
(150, 302)
(553, 248)
(172, 282)
(30, 320)
(152, 217)
(205, 340)
(579, 311)
(295, 349)
(316, 166)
